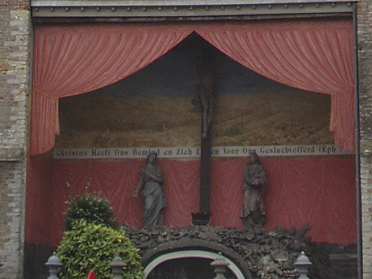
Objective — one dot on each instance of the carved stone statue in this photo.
(150, 184)
(253, 209)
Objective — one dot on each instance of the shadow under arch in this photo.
(194, 248)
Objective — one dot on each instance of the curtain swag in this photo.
(315, 56)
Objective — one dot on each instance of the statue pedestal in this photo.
(200, 218)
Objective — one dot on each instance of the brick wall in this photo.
(365, 109)
(14, 87)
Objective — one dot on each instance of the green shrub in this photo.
(90, 207)
(92, 247)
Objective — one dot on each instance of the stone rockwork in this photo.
(14, 89)
(264, 253)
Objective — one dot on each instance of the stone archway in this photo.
(194, 249)
(191, 254)
(251, 253)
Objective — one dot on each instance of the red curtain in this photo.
(311, 55)
(78, 59)
(319, 191)
(117, 180)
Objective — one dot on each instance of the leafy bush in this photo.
(91, 208)
(92, 247)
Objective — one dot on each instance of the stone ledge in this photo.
(180, 8)
(343, 257)
(11, 154)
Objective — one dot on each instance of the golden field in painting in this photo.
(272, 118)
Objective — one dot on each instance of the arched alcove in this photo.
(178, 263)
(197, 253)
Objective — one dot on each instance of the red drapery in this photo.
(75, 60)
(315, 56)
(319, 191)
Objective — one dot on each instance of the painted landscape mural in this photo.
(269, 118)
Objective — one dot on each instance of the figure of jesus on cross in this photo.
(207, 99)
(206, 96)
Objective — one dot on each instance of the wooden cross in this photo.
(207, 100)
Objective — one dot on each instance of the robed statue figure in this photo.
(150, 184)
(253, 209)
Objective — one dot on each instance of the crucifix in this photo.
(207, 99)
